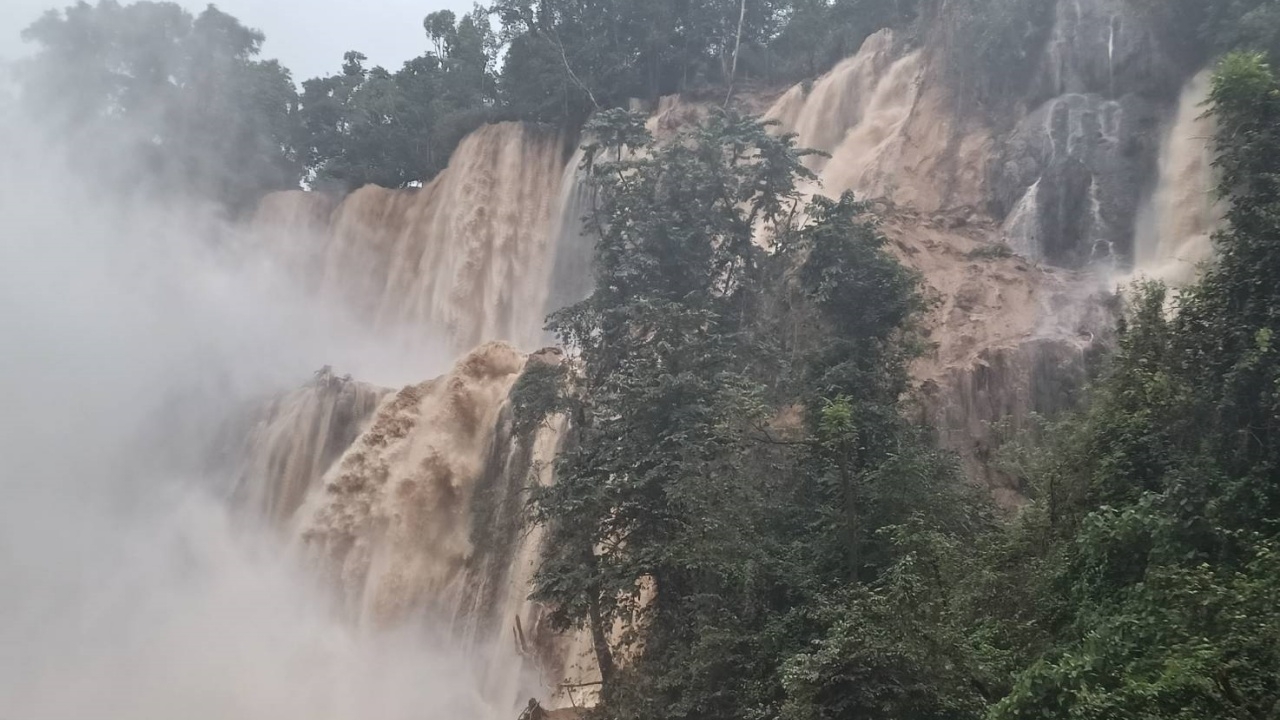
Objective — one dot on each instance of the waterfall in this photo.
(889, 127)
(822, 115)
(1175, 226)
(411, 506)
(863, 160)
(468, 255)
(132, 588)
(854, 113)
(293, 440)
(573, 249)
(411, 503)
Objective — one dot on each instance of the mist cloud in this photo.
(127, 588)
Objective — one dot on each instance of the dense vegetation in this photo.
(192, 96)
(149, 94)
(746, 496)
(743, 490)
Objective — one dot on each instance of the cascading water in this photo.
(855, 114)
(133, 585)
(574, 243)
(888, 130)
(862, 161)
(822, 114)
(468, 255)
(422, 516)
(293, 441)
(1175, 226)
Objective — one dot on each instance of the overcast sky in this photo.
(308, 36)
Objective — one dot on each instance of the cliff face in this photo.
(1021, 202)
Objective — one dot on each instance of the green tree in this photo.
(817, 34)
(186, 95)
(370, 126)
(689, 506)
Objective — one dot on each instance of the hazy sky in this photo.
(308, 36)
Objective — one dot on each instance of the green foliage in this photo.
(1248, 24)
(396, 129)
(618, 49)
(817, 34)
(1201, 29)
(742, 489)
(894, 648)
(538, 394)
(832, 567)
(149, 91)
(211, 119)
(689, 507)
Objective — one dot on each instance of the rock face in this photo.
(1081, 157)
(1008, 337)
(1071, 177)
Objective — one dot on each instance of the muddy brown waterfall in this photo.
(468, 255)
(420, 516)
(1175, 225)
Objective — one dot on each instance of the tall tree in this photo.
(367, 125)
(740, 451)
(188, 95)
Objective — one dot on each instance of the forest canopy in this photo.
(192, 96)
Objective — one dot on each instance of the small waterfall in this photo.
(888, 124)
(572, 276)
(1021, 229)
(294, 440)
(856, 113)
(822, 115)
(391, 524)
(1085, 47)
(1175, 226)
(863, 159)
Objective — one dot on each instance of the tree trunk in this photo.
(737, 45)
(851, 519)
(600, 642)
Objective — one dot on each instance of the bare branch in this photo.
(737, 45)
(569, 69)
